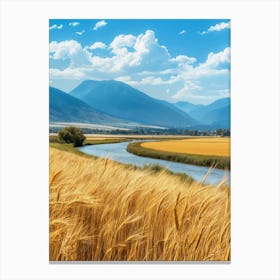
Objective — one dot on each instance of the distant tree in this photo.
(73, 135)
(223, 132)
(226, 132)
(219, 132)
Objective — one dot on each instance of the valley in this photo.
(139, 141)
(114, 104)
(141, 158)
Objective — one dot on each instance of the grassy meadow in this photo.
(101, 210)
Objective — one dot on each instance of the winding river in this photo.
(117, 152)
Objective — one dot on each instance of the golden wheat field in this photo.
(214, 146)
(104, 211)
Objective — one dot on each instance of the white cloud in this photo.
(122, 41)
(55, 26)
(206, 80)
(124, 79)
(216, 64)
(152, 55)
(64, 49)
(71, 50)
(143, 63)
(156, 80)
(215, 59)
(68, 73)
(145, 58)
(217, 27)
(144, 42)
(162, 72)
(196, 98)
(80, 32)
(199, 72)
(182, 32)
(152, 81)
(74, 23)
(144, 54)
(99, 24)
(97, 45)
(188, 88)
(183, 59)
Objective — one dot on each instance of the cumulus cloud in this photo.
(183, 59)
(152, 55)
(144, 63)
(216, 64)
(97, 45)
(217, 27)
(69, 49)
(74, 23)
(64, 49)
(214, 60)
(145, 57)
(99, 24)
(133, 53)
(208, 78)
(221, 57)
(122, 41)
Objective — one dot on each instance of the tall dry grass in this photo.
(102, 210)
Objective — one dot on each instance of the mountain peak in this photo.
(125, 102)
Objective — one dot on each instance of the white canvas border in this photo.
(255, 138)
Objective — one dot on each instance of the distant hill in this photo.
(66, 108)
(123, 101)
(216, 114)
(218, 118)
(187, 106)
(200, 112)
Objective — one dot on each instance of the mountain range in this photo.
(216, 114)
(112, 102)
(126, 102)
(66, 108)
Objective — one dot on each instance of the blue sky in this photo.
(173, 60)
